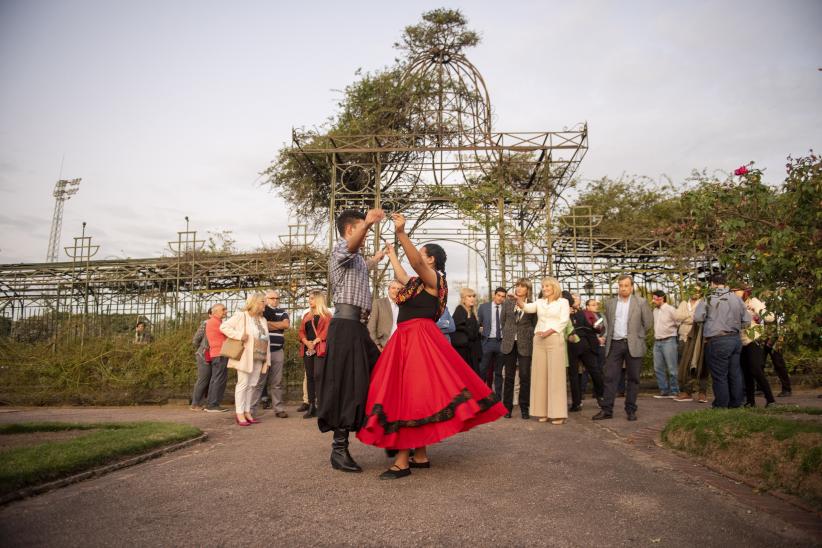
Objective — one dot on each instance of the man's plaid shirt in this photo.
(349, 277)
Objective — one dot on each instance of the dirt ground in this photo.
(510, 483)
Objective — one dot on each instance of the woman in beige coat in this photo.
(549, 398)
(248, 326)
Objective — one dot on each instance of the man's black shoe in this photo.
(784, 394)
(508, 415)
(340, 457)
(602, 415)
(526, 415)
(575, 409)
(302, 407)
(631, 416)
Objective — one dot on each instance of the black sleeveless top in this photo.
(421, 305)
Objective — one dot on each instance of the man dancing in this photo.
(351, 353)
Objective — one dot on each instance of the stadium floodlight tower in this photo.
(63, 190)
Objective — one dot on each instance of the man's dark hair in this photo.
(140, 323)
(347, 218)
(436, 251)
(718, 279)
(659, 293)
(500, 290)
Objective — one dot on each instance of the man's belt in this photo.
(666, 338)
(350, 312)
(722, 334)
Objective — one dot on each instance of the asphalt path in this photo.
(510, 483)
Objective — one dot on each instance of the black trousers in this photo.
(582, 352)
(510, 362)
(752, 360)
(313, 366)
(618, 353)
(778, 367)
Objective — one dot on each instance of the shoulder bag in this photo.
(233, 348)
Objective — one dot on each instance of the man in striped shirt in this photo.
(278, 322)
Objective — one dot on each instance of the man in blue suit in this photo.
(491, 330)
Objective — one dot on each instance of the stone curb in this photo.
(781, 505)
(99, 471)
(758, 486)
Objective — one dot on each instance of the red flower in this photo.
(741, 171)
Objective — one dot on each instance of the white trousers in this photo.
(243, 391)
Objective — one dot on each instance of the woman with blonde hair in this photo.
(313, 334)
(466, 337)
(248, 325)
(549, 399)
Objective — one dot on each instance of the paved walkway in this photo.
(510, 483)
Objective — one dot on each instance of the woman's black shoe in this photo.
(395, 473)
(414, 464)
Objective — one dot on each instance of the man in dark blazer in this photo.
(629, 319)
(491, 330)
(383, 319)
(516, 347)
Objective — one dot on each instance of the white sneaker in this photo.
(662, 396)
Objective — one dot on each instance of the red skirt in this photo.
(422, 391)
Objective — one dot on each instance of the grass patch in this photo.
(779, 447)
(26, 466)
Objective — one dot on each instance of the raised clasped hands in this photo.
(374, 216)
(378, 256)
(399, 222)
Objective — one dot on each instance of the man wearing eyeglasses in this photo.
(278, 322)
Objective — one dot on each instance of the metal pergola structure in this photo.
(454, 177)
(429, 172)
(80, 297)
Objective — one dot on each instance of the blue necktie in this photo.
(496, 312)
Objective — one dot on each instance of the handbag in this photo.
(233, 348)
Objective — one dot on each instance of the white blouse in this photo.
(550, 315)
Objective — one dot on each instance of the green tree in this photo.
(766, 236)
(384, 102)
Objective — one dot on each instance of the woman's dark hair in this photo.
(568, 297)
(348, 217)
(434, 250)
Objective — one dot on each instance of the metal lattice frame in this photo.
(450, 147)
(162, 291)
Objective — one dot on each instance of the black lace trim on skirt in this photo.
(445, 414)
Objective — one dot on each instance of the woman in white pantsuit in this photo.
(549, 398)
(249, 326)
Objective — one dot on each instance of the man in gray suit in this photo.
(383, 319)
(516, 348)
(630, 319)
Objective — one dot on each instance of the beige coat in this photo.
(233, 328)
(381, 322)
(685, 317)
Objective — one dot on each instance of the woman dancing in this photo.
(421, 390)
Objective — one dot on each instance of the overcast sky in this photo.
(172, 108)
